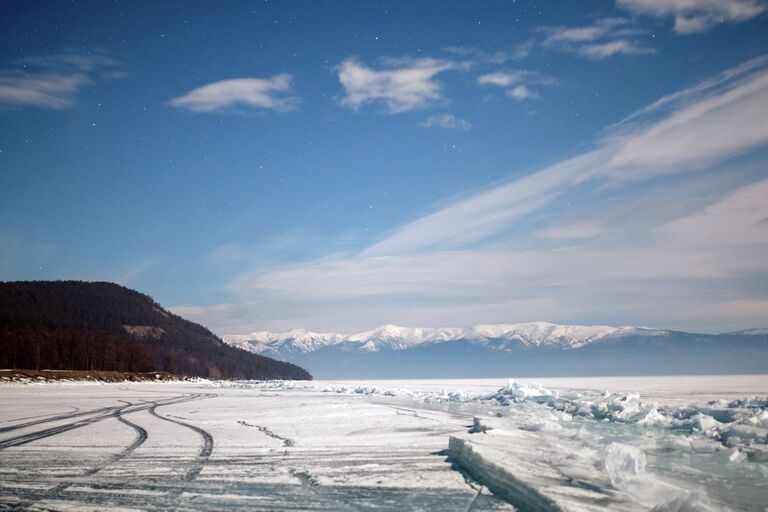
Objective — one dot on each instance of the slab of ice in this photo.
(568, 469)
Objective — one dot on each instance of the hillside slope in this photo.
(77, 325)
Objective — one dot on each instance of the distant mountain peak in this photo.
(751, 332)
(396, 337)
(533, 349)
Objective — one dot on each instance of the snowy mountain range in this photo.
(395, 337)
(535, 348)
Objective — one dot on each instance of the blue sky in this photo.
(341, 165)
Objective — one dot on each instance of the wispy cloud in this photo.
(137, 272)
(45, 90)
(572, 230)
(53, 81)
(487, 213)
(401, 85)
(522, 92)
(724, 122)
(602, 39)
(66, 61)
(701, 131)
(725, 238)
(448, 121)
(271, 93)
(227, 253)
(517, 83)
(479, 56)
(601, 51)
(694, 16)
(708, 88)
(459, 264)
(645, 281)
(502, 79)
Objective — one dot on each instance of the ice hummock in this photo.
(585, 450)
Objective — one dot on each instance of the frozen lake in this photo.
(663, 443)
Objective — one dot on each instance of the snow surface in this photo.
(664, 444)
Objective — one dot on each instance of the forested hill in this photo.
(76, 325)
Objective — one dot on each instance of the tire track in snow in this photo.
(74, 410)
(58, 417)
(205, 450)
(78, 414)
(141, 437)
(43, 434)
(109, 412)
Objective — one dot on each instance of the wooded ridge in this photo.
(77, 325)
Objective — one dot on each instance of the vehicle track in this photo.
(77, 414)
(74, 409)
(141, 437)
(205, 450)
(42, 434)
(118, 413)
(108, 412)
(58, 417)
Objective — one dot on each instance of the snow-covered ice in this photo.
(655, 443)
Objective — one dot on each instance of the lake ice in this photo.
(635, 443)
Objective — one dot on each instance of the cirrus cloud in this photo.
(602, 39)
(260, 93)
(448, 121)
(53, 81)
(518, 83)
(403, 85)
(524, 249)
(704, 126)
(694, 16)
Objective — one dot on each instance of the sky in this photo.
(337, 166)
